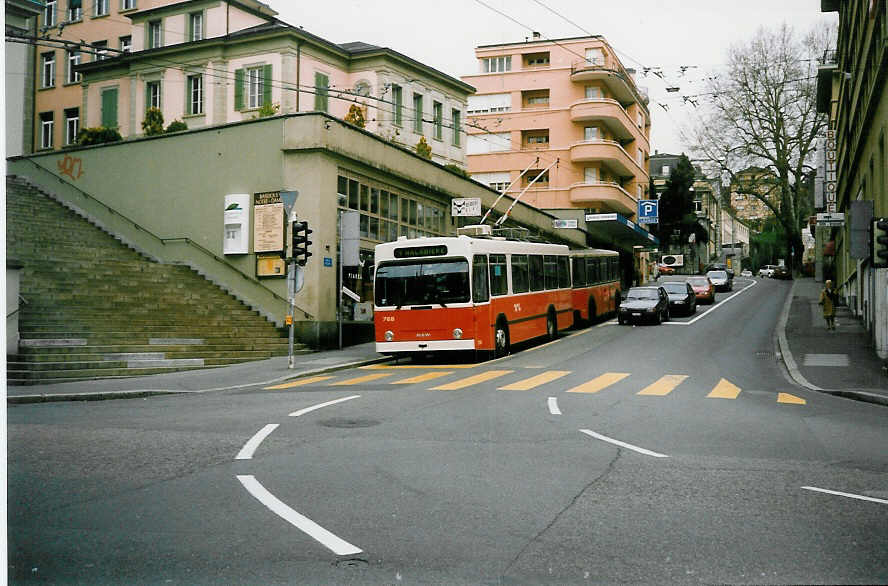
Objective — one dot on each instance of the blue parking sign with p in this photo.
(647, 211)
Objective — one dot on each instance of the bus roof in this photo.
(466, 246)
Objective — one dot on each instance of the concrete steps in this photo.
(95, 308)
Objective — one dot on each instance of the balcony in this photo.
(608, 152)
(605, 196)
(617, 81)
(611, 113)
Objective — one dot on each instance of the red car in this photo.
(666, 270)
(703, 289)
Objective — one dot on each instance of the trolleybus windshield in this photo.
(422, 282)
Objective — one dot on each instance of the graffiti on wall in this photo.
(71, 166)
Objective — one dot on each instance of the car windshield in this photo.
(675, 287)
(422, 282)
(717, 275)
(639, 294)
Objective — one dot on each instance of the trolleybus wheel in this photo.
(551, 326)
(501, 339)
(593, 315)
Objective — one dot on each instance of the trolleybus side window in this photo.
(614, 268)
(520, 282)
(499, 284)
(563, 272)
(550, 270)
(536, 273)
(593, 268)
(579, 272)
(479, 278)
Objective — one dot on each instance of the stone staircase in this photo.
(94, 308)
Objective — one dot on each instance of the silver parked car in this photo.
(721, 280)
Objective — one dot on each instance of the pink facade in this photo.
(569, 100)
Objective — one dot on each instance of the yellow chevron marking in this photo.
(399, 366)
(421, 378)
(663, 386)
(471, 380)
(300, 382)
(535, 381)
(599, 383)
(791, 399)
(361, 379)
(724, 390)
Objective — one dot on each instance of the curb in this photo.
(143, 393)
(785, 354)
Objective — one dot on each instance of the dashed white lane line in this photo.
(249, 448)
(332, 542)
(611, 440)
(553, 406)
(321, 405)
(847, 494)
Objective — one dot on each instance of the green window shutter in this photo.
(188, 95)
(322, 83)
(109, 108)
(239, 89)
(266, 85)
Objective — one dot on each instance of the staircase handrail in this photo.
(163, 241)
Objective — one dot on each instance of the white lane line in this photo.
(301, 522)
(319, 406)
(250, 447)
(847, 494)
(553, 406)
(611, 440)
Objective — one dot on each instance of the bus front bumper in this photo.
(424, 346)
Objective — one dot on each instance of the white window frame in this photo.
(153, 94)
(197, 32)
(155, 34)
(591, 133)
(101, 7)
(75, 14)
(593, 92)
(595, 56)
(46, 131)
(101, 51)
(73, 58)
(487, 103)
(195, 94)
(48, 70)
(50, 11)
(126, 44)
(72, 126)
(127, 4)
(590, 175)
(499, 64)
(254, 78)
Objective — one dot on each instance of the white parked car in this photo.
(745, 273)
(767, 270)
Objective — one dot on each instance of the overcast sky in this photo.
(645, 33)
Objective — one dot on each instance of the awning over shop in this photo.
(620, 230)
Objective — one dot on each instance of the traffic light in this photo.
(301, 242)
(880, 242)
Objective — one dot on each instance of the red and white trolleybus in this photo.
(468, 293)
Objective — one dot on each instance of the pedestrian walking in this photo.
(829, 299)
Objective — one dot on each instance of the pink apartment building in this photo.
(570, 101)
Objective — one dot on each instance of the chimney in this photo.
(536, 35)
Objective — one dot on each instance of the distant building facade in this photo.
(21, 20)
(746, 204)
(570, 101)
(206, 74)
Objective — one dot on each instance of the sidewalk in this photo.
(842, 362)
(262, 372)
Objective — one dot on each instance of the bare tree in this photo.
(762, 113)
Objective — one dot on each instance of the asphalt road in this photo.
(648, 454)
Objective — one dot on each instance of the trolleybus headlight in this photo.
(457, 334)
(389, 335)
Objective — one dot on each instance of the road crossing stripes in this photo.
(662, 387)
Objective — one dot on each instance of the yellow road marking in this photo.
(471, 380)
(599, 383)
(663, 386)
(300, 382)
(361, 379)
(724, 390)
(421, 378)
(535, 381)
(392, 366)
(791, 399)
